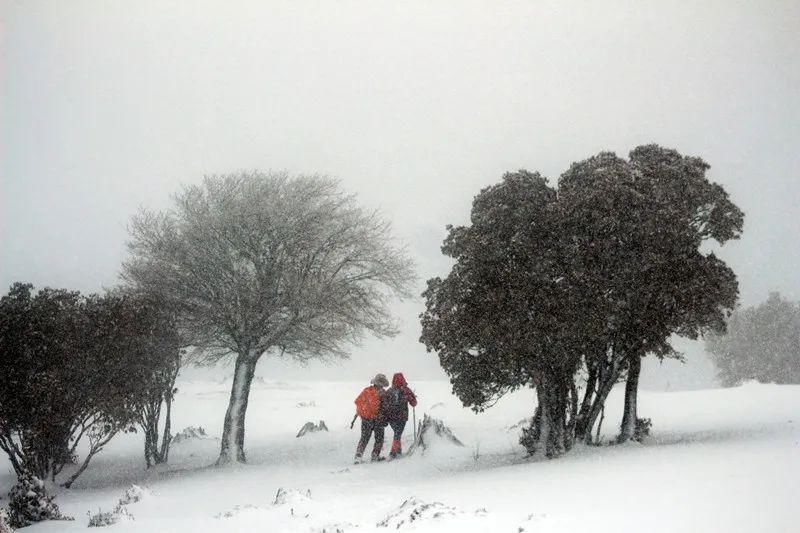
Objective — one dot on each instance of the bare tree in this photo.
(264, 262)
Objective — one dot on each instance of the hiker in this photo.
(395, 410)
(368, 407)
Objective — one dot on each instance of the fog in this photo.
(109, 106)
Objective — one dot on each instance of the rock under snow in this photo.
(432, 430)
(291, 496)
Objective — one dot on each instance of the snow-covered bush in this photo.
(109, 518)
(529, 437)
(5, 527)
(29, 503)
(189, 433)
(642, 430)
(134, 494)
(120, 513)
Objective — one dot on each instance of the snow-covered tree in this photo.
(762, 343)
(259, 263)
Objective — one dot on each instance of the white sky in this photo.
(108, 106)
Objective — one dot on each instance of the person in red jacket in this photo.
(395, 410)
(369, 408)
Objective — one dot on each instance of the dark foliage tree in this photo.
(78, 368)
(601, 273)
(638, 228)
(38, 334)
(157, 401)
(161, 353)
(500, 319)
(762, 343)
(257, 263)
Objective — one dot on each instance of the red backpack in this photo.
(368, 403)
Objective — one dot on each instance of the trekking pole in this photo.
(353, 421)
(414, 415)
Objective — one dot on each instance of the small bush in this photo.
(109, 518)
(642, 429)
(29, 503)
(120, 513)
(5, 527)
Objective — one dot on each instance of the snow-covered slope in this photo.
(718, 460)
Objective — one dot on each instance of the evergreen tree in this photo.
(599, 273)
(762, 343)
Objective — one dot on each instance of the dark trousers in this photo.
(368, 427)
(397, 427)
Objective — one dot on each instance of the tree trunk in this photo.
(607, 377)
(166, 440)
(569, 438)
(232, 448)
(94, 448)
(551, 434)
(628, 427)
(586, 404)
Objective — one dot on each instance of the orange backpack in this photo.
(368, 403)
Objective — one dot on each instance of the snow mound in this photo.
(311, 427)
(238, 510)
(292, 496)
(415, 513)
(533, 523)
(335, 527)
(190, 433)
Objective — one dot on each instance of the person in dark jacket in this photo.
(369, 406)
(395, 410)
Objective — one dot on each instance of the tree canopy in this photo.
(598, 272)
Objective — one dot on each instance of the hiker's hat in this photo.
(380, 380)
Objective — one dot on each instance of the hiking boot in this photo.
(377, 458)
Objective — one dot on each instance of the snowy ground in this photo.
(719, 460)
